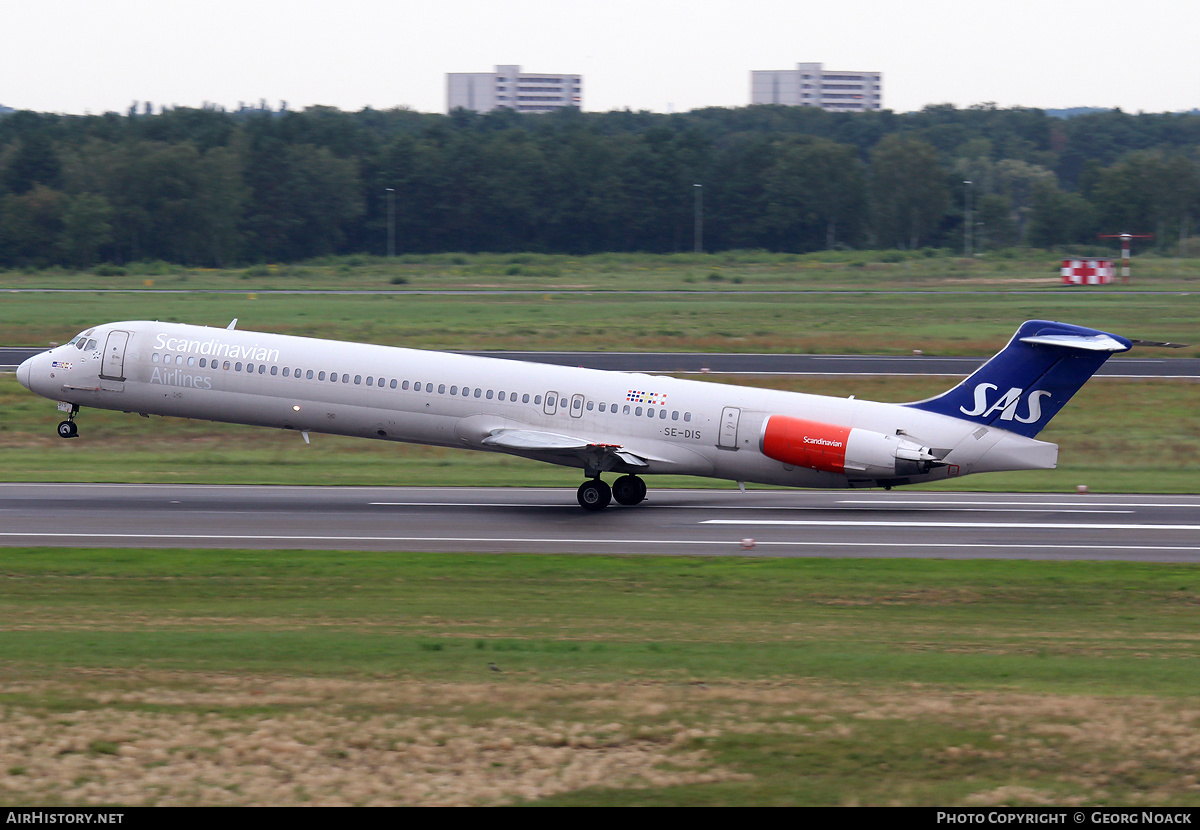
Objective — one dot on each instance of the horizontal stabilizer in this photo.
(1159, 344)
(1091, 343)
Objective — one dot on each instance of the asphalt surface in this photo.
(693, 522)
(779, 364)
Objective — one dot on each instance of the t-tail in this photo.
(1031, 379)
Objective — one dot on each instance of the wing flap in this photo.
(527, 439)
(534, 441)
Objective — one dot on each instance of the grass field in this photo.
(941, 305)
(741, 270)
(133, 677)
(244, 677)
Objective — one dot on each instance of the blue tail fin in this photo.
(1031, 379)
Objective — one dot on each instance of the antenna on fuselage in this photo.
(232, 324)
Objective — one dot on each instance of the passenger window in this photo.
(650, 412)
(370, 381)
(637, 411)
(178, 360)
(537, 399)
(308, 375)
(478, 392)
(501, 396)
(320, 376)
(358, 380)
(237, 367)
(153, 357)
(675, 415)
(625, 409)
(576, 404)
(489, 394)
(393, 383)
(687, 416)
(286, 372)
(333, 377)
(602, 405)
(225, 365)
(525, 398)
(262, 368)
(662, 414)
(589, 406)
(274, 370)
(441, 389)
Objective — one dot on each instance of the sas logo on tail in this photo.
(1006, 404)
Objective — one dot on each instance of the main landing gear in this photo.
(68, 428)
(594, 494)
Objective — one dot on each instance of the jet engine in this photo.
(856, 453)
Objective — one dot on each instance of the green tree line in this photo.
(208, 188)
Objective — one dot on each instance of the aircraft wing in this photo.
(595, 454)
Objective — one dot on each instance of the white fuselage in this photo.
(320, 386)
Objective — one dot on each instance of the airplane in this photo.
(628, 424)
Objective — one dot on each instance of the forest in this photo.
(206, 188)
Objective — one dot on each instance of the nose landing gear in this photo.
(68, 428)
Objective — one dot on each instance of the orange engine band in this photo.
(803, 443)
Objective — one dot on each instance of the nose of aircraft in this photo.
(23, 372)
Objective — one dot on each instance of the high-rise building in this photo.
(811, 85)
(509, 87)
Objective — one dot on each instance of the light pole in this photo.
(967, 221)
(699, 225)
(391, 210)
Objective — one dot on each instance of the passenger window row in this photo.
(416, 386)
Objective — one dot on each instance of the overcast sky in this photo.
(87, 56)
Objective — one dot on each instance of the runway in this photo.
(775, 523)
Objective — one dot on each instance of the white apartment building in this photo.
(509, 87)
(811, 85)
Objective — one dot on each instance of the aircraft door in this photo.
(576, 406)
(112, 364)
(727, 439)
(551, 403)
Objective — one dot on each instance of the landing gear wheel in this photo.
(67, 429)
(629, 490)
(594, 495)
